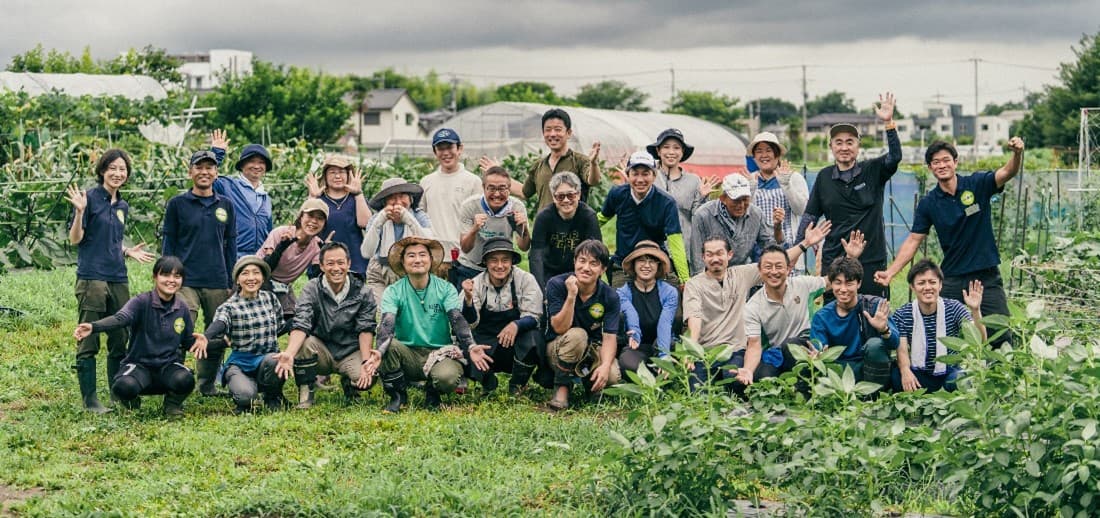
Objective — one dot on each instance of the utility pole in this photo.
(672, 86)
(805, 99)
(977, 109)
(454, 94)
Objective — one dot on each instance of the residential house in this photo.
(206, 71)
(383, 116)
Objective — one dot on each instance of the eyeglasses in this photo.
(496, 188)
(562, 196)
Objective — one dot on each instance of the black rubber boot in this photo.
(489, 383)
(431, 397)
(206, 371)
(113, 365)
(85, 377)
(521, 374)
(394, 385)
(173, 405)
(305, 377)
(275, 401)
(351, 392)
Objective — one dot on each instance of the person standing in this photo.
(557, 129)
(960, 208)
(340, 186)
(246, 192)
(200, 228)
(733, 217)
(643, 213)
(690, 192)
(96, 227)
(850, 193)
(445, 189)
(780, 193)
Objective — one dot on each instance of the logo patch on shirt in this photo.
(178, 325)
(120, 215)
(967, 198)
(221, 214)
(797, 299)
(596, 310)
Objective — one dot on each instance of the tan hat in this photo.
(398, 250)
(736, 186)
(769, 137)
(651, 249)
(333, 160)
(314, 205)
(251, 260)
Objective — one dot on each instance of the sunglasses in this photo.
(566, 196)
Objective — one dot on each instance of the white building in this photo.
(385, 115)
(205, 71)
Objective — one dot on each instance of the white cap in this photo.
(736, 186)
(641, 158)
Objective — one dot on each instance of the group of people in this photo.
(421, 282)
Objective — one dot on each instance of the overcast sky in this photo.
(747, 48)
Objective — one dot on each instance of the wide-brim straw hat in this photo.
(396, 186)
(649, 248)
(398, 250)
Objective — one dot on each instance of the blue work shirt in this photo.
(963, 222)
(655, 218)
(201, 232)
(99, 253)
(254, 215)
(829, 329)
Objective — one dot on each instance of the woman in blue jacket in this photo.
(648, 305)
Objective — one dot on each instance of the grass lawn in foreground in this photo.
(478, 456)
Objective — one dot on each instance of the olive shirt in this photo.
(538, 178)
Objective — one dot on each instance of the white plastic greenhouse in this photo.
(129, 86)
(509, 128)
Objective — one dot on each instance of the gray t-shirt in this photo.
(501, 224)
(776, 321)
(712, 219)
(685, 190)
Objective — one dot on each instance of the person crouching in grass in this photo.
(252, 319)
(160, 328)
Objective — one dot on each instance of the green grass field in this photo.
(478, 456)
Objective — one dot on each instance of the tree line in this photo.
(286, 102)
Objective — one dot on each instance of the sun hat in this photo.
(498, 244)
(398, 250)
(646, 247)
(395, 186)
(770, 138)
(251, 260)
(665, 135)
(252, 150)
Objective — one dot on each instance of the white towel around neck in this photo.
(918, 354)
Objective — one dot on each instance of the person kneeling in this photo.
(584, 317)
(648, 306)
(420, 312)
(333, 330)
(919, 347)
(160, 327)
(849, 322)
(503, 305)
(252, 319)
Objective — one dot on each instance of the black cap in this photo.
(205, 154)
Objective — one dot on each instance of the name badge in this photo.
(972, 210)
(860, 186)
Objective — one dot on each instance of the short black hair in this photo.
(168, 264)
(936, 147)
(332, 245)
(922, 266)
(595, 249)
(848, 267)
(497, 171)
(773, 249)
(105, 161)
(715, 237)
(557, 113)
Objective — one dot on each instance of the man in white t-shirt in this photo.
(445, 189)
(777, 317)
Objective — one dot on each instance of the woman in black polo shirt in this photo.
(160, 329)
(96, 228)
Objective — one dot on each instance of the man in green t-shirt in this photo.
(420, 312)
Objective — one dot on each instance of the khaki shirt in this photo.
(720, 305)
(538, 178)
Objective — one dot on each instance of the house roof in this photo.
(383, 98)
